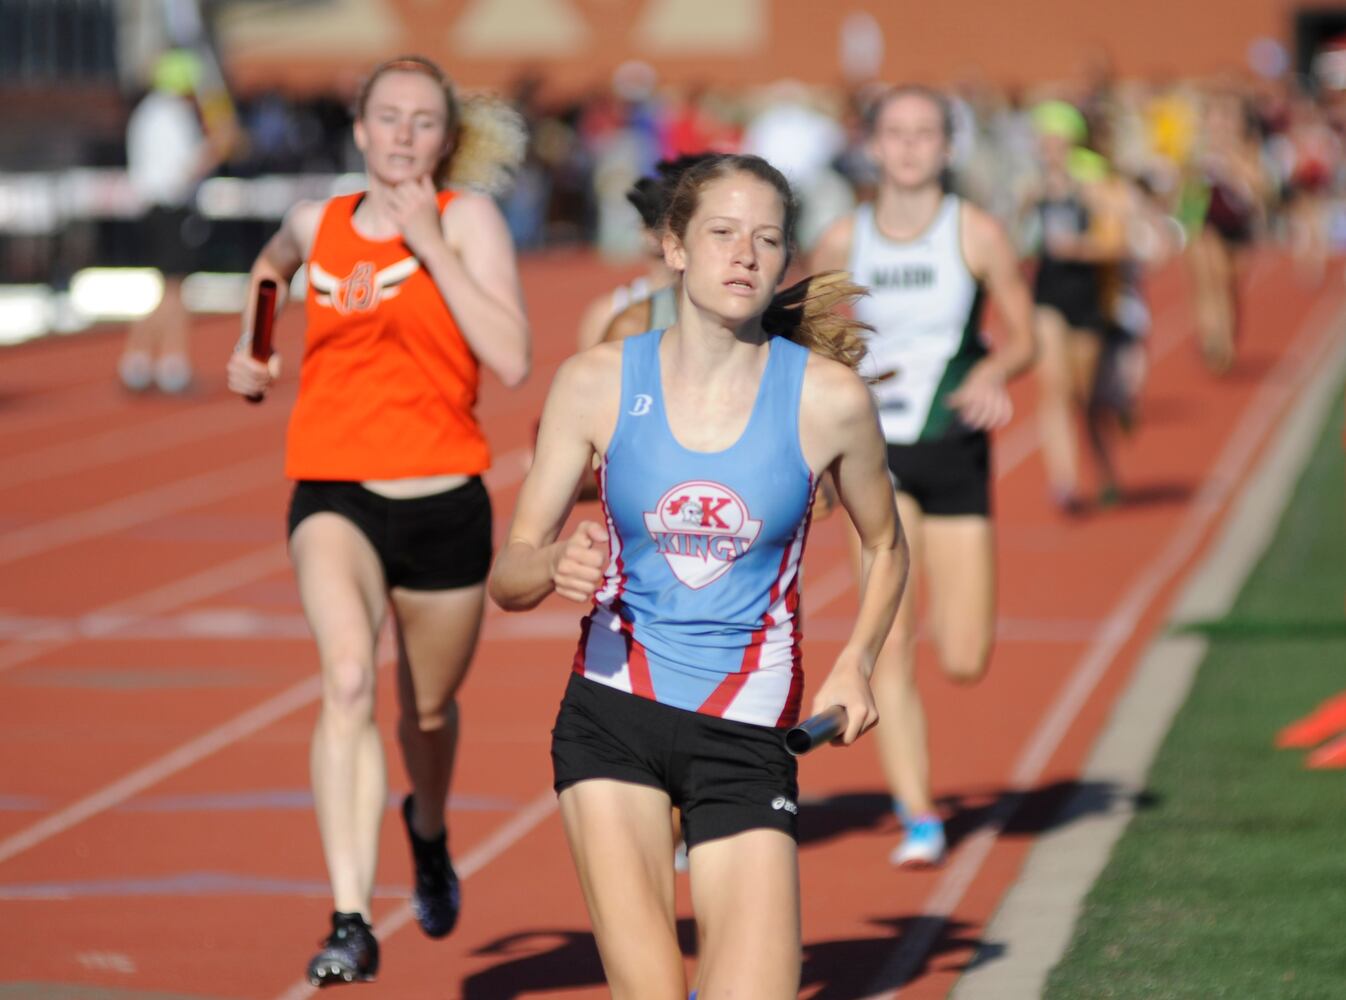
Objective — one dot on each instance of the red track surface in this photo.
(153, 663)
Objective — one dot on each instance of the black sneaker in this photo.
(437, 896)
(350, 954)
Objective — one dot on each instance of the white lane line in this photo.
(193, 491)
(1038, 916)
(1291, 372)
(67, 406)
(174, 429)
(171, 763)
(125, 443)
(225, 577)
(213, 624)
(139, 508)
(501, 840)
(108, 619)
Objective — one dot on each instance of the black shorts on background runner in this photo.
(436, 542)
(946, 478)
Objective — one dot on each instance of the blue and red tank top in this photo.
(699, 608)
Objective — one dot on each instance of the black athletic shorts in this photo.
(168, 239)
(1072, 289)
(436, 542)
(946, 478)
(726, 777)
(1230, 215)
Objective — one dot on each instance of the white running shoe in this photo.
(136, 370)
(173, 374)
(923, 846)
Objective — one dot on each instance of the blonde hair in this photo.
(486, 139)
(491, 144)
(804, 312)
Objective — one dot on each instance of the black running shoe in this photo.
(437, 896)
(350, 954)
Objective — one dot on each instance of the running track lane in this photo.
(224, 839)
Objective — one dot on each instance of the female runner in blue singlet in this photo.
(712, 436)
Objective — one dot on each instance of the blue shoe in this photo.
(437, 897)
(923, 846)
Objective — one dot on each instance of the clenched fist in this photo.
(578, 572)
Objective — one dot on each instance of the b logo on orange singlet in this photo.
(364, 288)
(356, 293)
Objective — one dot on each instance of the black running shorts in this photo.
(436, 542)
(726, 777)
(1071, 289)
(946, 478)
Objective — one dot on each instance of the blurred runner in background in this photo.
(929, 258)
(168, 153)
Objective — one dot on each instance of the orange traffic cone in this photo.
(1324, 722)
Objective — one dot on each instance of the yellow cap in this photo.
(1060, 119)
(1086, 166)
(177, 71)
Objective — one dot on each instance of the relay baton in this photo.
(815, 731)
(263, 319)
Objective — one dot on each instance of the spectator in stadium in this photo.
(168, 153)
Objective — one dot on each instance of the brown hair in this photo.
(650, 195)
(804, 312)
(920, 90)
(485, 138)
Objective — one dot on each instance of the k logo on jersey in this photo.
(701, 528)
(364, 288)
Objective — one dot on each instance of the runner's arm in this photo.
(982, 399)
(475, 271)
(533, 561)
(281, 257)
(993, 261)
(849, 432)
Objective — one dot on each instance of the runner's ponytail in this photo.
(806, 313)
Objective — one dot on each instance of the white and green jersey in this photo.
(925, 307)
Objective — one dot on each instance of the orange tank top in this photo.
(388, 383)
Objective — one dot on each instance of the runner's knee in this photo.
(431, 716)
(348, 687)
(966, 666)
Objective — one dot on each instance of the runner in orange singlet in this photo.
(410, 288)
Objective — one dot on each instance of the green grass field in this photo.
(1232, 883)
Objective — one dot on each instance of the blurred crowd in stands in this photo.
(586, 151)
